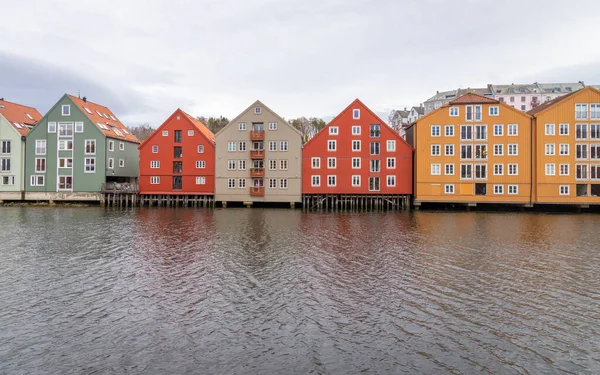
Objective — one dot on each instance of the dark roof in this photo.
(420, 110)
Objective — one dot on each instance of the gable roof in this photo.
(419, 110)
(362, 105)
(255, 104)
(21, 117)
(200, 126)
(472, 98)
(195, 123)
(544, 106)
(100, 114)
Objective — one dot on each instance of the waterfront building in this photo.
(567, 144)
(258, 158)
(178, 158)
(356, 154)
(472, 150)
(15, 122)
(77, 148)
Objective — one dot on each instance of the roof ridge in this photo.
(19, 104)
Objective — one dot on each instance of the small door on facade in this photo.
(257, 164)
(480, 189)
(177, 167)
(177, 183)
(177, 152)
(257, 182)
(177, 136)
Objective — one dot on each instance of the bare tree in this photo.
(142, 132)
(395, 120)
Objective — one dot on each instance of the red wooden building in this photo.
(357, 159)
(177, 160)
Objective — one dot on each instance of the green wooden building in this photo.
(75, 149)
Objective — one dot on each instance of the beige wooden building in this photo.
(258, 159)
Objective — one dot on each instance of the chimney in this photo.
(84, 99)
(405, 108)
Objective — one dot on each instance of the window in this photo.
(201, 180)
(466, 152)
(549, 129)
(581, 131)
(449, 130)
(523, 107)
(498, 150)
(581, 152)
(480, 132)
(64, 145)
(594, 172)
(564, 149)
(355, 130)
(481, 152)
(231, 183)
(374, 184)
(40, 165)
(564, 190)
(391, 146)
(257, 110)
(200, 149)
(466, 171)
(595, 111)
(316, 181)
(331, 180)
(65, 162)
(498, 130)
(165, 133)
(316, 163)
(513, 169)
(594, 152)
(513, 130)
(513, 189)
(355, 180)
(242, 146)
(512, 99)
(449, 169)
(283, 146)
(498, 169)
(66, 110)
(391, 163)
(231, 165)
(469, 113)
(449, 188)
(155, 164)
(200, 164)
(355, 163)
(177, 136)
(242, 165)
(595, 131)
(90, 165)
(333, 130)
(331, 145)
(356, 114)
(331, 163)
(498, 189)
(79, 127)
(480, 171)
(272, 183)
(550, 169)
(283, 183)
(242, 126)
(466, 132)
(564, 169)
(121, 146)
(550, 148)
(375, 130)
(375, 148)
(581, 111)
(435, 169)
(581, 171)
(391, 181)
(493, 111)
(40, 147)
(241, 183)
(8, 180)
(272, 145)
(513, 149)
(231, 146)
(375, 166)
(272, 126)
(190, 133)
(283, 165)
(111, 163)
(6, 149)
(272, 165)
(51, 127)
(453, 111)
(355, 145)
(111, 145)
(435, 150)
(435, 130)
(477, 113)
(65, 129)
(449, 150)
(563, 129)
(36, 180)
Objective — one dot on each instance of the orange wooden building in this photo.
(472, 150)
(178, 159)
(357, 153)
(567, 143)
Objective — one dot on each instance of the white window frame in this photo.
(498, 169)
(449, 149)
(316, 178)
(550, 169)
(513, 130)
(391, 145)
(355, 114)
(284, 146)
(564, 190)
(356, 180)
(200, 149)
(355, 143)
(449, 169)
(494, 110)
(354, 165)
(436, 150)
(154, 164)
(436, 169)
(331, 142)
(562, 127)
(516, 149)
(68, 110)
(154, 180)
(513, 189)
(52, 127)
(449, 189)
(436, 130)
(38, 143)
(242, 126)
(498, 189)
(550, 149)
(315, 163)
(391, 161)
(550, 129)
(272, 126)
(453, 112)
(449, 130)
(79, 127)
(92, 165)
(334, 130)
(331, 161)
(510, 167)
(355, 129)
(498, 130)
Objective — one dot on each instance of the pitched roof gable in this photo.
(103, 118)
(255, 104)
(202, 128)
(544, 106)
(20, 117)
(195, 123)
(472, 98)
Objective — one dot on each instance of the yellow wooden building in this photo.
(567, 144)
(472, 150)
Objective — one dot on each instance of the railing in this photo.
(257, 191)
(257, 172)
(122, 187)
(257, 135)
(257, 154)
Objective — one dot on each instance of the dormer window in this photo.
(66, 110)
(257, 110)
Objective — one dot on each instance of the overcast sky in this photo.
(145, 58)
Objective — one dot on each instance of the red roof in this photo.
(100, 115)
(201, 127)
(472, 98)
(19, 116)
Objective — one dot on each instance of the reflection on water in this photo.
(252, 291)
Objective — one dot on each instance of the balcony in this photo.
(257, 154)
(257, 172)
(257, 135)
(257, 191)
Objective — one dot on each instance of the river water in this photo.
(278, 291)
